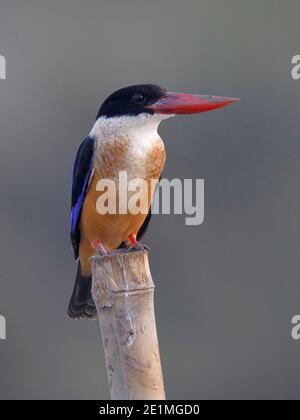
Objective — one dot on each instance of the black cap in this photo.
(131, 101)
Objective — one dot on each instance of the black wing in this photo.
(82, 172)
(145, 225)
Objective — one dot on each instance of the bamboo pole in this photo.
(123, 292)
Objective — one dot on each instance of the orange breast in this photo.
(113, 229)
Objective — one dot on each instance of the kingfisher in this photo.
(123, 139)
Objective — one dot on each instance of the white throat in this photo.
(127, 143)
(141, 126)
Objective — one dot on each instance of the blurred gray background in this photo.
(226, 290)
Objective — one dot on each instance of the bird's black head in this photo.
(131, 101)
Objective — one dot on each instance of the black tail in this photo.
(81, 304)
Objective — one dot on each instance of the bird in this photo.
(124, 138)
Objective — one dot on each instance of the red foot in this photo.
(135, 245)
(99, 247)
(132, 239)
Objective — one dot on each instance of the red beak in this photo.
(181, 103)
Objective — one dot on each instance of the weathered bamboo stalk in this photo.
(123, 291)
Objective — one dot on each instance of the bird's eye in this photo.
(139, 98)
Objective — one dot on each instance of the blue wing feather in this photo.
(82, 172)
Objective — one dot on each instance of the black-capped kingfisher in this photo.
(124, 138)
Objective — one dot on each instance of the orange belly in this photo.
(110, 229)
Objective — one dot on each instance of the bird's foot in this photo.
(136, 246)
(99, 247)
